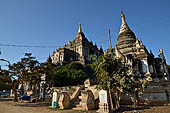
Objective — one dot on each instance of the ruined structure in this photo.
(135, 53)
(79, 50)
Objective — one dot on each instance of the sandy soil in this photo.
(8, 106)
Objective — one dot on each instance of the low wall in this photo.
(156, 93)
(69, 89)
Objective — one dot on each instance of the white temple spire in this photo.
(123, 17)
(124, 27)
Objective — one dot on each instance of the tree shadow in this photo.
(131, 108)
(5, 99)
(33, 104)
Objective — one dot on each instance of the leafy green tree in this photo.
(4, 81)
(26, 70)
(71, 74)
(116, 77)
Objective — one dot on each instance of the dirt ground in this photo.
(8, 106)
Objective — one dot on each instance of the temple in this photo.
(79, 50)
(132, 49)
(128, 46)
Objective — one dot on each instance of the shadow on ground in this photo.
(6, 99)
(131, 109)
(32, 104)
(38, 104)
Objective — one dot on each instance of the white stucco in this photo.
(144, 66)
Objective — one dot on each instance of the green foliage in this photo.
(106, 68)
(114, 74)
(117, 77)
(71, 74)
(26, 70)
(81, 86)
(92, 58)
(72, 90)
(4, 82)
(4, 86)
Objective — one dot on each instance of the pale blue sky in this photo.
(54, 22)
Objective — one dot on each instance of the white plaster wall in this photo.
(144, 66)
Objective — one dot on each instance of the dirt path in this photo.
(8, 106)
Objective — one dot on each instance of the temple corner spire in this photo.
(110, 45)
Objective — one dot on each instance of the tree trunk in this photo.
(116, 100)
(44, 87)
(137, 97)
(15, 91)
(111, 101)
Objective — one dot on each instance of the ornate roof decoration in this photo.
(161, 54)
(118, 53)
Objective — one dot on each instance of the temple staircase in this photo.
(77, 103)
(76, 99)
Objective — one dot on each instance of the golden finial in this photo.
(79, 28)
